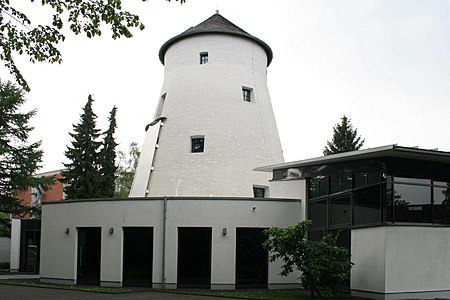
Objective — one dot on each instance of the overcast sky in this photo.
(384, 64)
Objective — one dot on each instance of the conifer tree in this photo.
(345, 138)
(82, 176)
(107, 159)
(19, 159)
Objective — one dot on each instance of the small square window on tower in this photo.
(247, 94)
(259, 192)
(203, 58)
(197, 144)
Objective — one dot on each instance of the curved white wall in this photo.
(206, 100)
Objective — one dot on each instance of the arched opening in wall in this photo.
(137, 256)
(251, 259)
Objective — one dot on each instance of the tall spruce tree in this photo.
(107, 159)
(345, 138)
(19, 159)
(82, 176)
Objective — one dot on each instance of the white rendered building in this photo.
(202, 196)
(197, 208)
(391, 205)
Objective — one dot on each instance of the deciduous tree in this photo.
(322, 263)
(126, 169)
(39, 41)
(345, 138)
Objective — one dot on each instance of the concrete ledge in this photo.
(223, 286)
(111, 283)
(57, 281)
(285, 286)
(445, 294)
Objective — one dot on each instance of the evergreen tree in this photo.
(107, 161)
(82, 176)
(126, 169)
(345, 138)
(19, 159)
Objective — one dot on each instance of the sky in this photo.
(385, 64)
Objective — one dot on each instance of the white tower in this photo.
(214, 122)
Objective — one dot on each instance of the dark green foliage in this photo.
(82, 176)
(107, 159)
(345, 138)
(19, 159)
(39, 42)
(322, 263)
(91, 170)
(127, 168)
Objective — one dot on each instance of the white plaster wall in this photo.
(58, 262)
(401, 259)
(14, 262)
(206, 100)
(290, 189)
(368, 253)
(417, 259)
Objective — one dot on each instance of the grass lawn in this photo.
(242, 294)
(263, 294)
(95, 289)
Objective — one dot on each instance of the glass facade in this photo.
(371, 198)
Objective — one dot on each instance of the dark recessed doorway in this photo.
(89, 254)
(194, 257)
(251, 259)
(137, 256)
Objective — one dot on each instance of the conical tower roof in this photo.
(216, 24)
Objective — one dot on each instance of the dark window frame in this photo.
(204, 58)
(259, 189)
(197, 144)
(246, 94)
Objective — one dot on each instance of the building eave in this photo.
(383, 151)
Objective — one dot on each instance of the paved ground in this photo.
(9, 292)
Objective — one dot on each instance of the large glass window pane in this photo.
(367, 205)
(346, 182)
(318, 213)
(340, 211)
(373, 177)
(335, 184)
(412, 203)
(318, 186)
(360, 179)
(313, 188)
(387, 200)
(367, 178)
(323, 185)
(441, 201)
